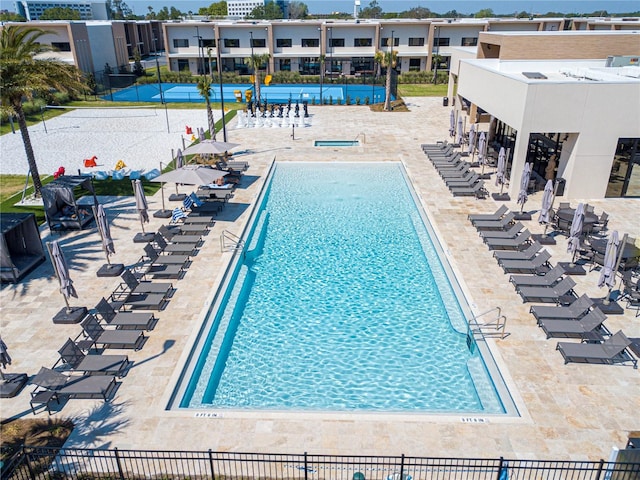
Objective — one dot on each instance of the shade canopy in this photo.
(209, 147)
(191, 175)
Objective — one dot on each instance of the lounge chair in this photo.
(187, 219)
(131, 286)
(155, 258)
(576, 310)
(518, 243)
(564, 288)
(527, 254)
(549, 279)
(538, 265)
(612, 350)
(73, 356)
(512, 232)
(183, 248)
(175, 235)
(469, 178)
(456, 172)
(497, 215)
(125, 320)
(51, 385)
(477, 190)
(501, 224)
(591, 322)
(96, 336)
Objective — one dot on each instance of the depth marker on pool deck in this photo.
(207, 415)
(474, 420)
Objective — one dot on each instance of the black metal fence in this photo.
(50, 463)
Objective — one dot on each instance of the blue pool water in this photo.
(340, 303)
(336, 143)
(188, 92)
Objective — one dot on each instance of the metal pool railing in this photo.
(33, 463)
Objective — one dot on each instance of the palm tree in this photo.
(204, 88)
(255, 62)
(387, 60)
(321, 60)
(22, 76)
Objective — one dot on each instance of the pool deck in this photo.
(569, 412)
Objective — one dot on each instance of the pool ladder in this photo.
(496, 327)
(230, 242)
(361, 135)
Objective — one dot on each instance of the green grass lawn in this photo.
(422, 90)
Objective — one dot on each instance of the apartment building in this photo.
(88, 10)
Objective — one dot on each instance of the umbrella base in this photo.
(501, 197)
(544, 239)
(163, 214)
(611, 308)
(143, 237)
(110, 270)
(11, 384)
(73, 315)
(572, 269)
(522, 216)
(177, 197)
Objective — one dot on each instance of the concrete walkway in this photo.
(572, 412)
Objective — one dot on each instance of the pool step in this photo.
(486, 393)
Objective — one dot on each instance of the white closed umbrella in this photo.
(460, 136)
(452, 123)
(472, 140)
(501, 168)
(608, 273)
(524, 186)
(547, 203)
(141, 202)
(576, 231)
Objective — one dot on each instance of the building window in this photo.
(414, 64)
(362, 42)
(310, 66)
(207, 42)
(336, 42)
(441, 42)
(283, 42)
(183, 64)
(61, 46)
(285, 64)
(416, 41)
(180, 42)
(384, 41)
(311, 42)
(469, 41)
(624, 179)
(258, 43)
(232, 43)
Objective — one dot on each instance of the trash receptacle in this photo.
(445, 101)
(561, 184)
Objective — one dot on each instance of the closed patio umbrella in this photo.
(501, 167)
(108, 270)
(61, 268)
(482, 141)
(524, 186)
(12, 383)
(547, 203)
(472, 140)
(452, 123)
(141, 202)
(179, 159)
(608, 273)
(201, 136)
(460, 136)
(576, 231)
(5, 359)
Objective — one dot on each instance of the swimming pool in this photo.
(340, 302)
(336, 143)
(188, 92)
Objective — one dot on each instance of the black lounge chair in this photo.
(538, 265)
(175, 235)
(73, 356)
(527, 254)
(153, 257)
(575, 311)
(181, 248)
(477, 190)
(549, 279)
(503, 223)
(51, 385)
(455, 173)
(96, 336)
(469, 178)
(612, 350)
(125, 320)
(563, 289)
(518, 243)
(131, 285)
(497, 215)
(512, 231)
(591, 322)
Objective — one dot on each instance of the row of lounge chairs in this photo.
(122, 320)
(535, 279)
(456, 173)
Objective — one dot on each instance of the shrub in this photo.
(357, 100)
(330, 99)
(347, 100)
(366, 100)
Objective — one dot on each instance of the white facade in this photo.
(242, 8)
(593, 115)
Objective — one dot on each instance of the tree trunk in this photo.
(212, 125)
(26, 140)
(387, 92)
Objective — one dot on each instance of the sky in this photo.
(439, 6)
